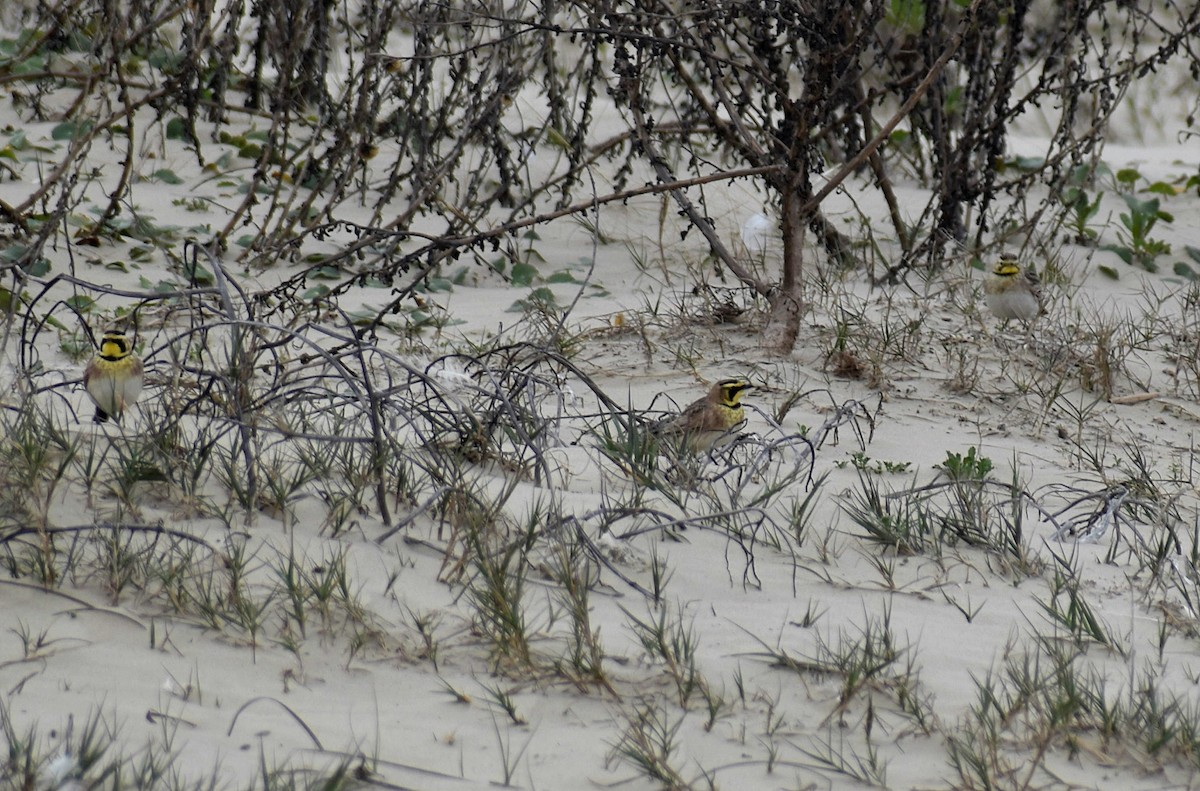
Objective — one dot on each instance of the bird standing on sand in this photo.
(114, 376)
(1013, 294)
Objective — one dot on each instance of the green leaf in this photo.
(167, 176)
(1128, 176)
(542, 298)
(1124, 253)
(38, 268)
(12, 252)
(433, 284)
(908, 15)
(163, 59)
(362, 317)
(64, 131)
(326, 273)
(1194, 252)
(562, 276)
(6, 300)
(953, 102)
(315, 293)
(543, 295)
(198, 274)
(75, 347)
(81, 302)
(145, 471)
(1028, 164)
(1162, 188)
(523, 274)
(1148, 207)
(1184, 271)
(1080, 176)
(161, 287)
(1108, 272)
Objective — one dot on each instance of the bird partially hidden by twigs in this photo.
(1012, 293)
(709, 422)
(113, 378)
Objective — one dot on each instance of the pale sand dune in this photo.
(151, 672)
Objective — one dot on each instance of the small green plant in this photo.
(862, 462)
(584, 661)
(648, 744)
(836, 754)
(715, 704)
(1136, 246)
(460, 697)
(631, 446)
(503, 699)
(496, 586)
(660, 574)
(426, 625)
(967, 466)
(903, 524)
(33, 644)
(1068, 609)
(508, 758)
(967, 610)
(1082, 210)
(674, 643)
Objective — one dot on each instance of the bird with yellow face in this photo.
(114, 376)
(708, 422)
(1012, 293)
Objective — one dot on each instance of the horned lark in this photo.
(1013, 294)
(709, 422)
(114, 376)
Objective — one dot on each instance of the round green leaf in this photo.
(523, 274)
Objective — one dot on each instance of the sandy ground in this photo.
(225, 704)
